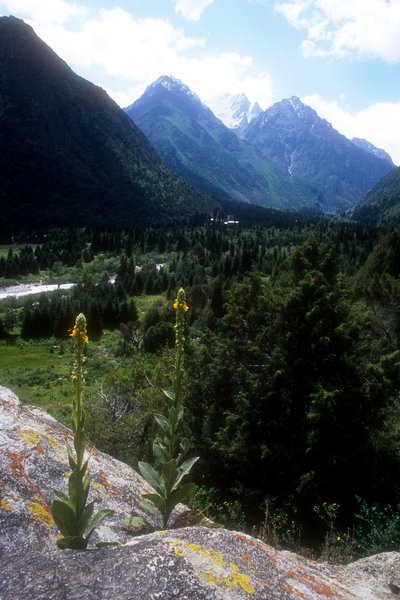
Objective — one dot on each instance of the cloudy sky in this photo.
(340, 56)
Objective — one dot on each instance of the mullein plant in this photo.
(72, 514)
(169, 447)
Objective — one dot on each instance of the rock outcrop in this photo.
(192, 563)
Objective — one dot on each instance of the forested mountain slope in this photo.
(382, 203)
(68, 154)
(201, 148)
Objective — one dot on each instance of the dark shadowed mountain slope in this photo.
(68, 154)
(201, 148)
(297, 141)
(382, 203)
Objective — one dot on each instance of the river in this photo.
(26, 289)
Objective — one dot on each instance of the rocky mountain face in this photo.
(235, 111)
(68, 154)
(202, 149)
(379, 152)
(195, 562)
(298, 142)
(382, 203)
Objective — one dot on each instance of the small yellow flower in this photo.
(79, 334)
(338, 538)
(181, 305)
(79, 330)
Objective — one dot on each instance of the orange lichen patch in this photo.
(317, 586)
(40, 513)
(5, 504)
(17, 466)
(110, 488)
(17, 463)
(245, 558)
(294, 593)
(250, 542)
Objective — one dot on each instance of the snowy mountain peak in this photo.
(172, 84)
(235, 111)
(302, 111)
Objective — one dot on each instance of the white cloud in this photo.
(192, 9)
(46, 11)
(127, 53)
(366, 28)
(375, 123)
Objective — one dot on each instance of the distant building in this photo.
(230, 220)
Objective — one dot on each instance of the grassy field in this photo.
(39, 372)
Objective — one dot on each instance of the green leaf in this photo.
(186, 467)
(72, 542)
(65, 519)
(184, 445)
(156, 499)
(86, 516)
(150, 475)
(169, 475)
(168, 394)
(71, 459)
(61, 496)
(160, 453)
(137, 520)
(97, 519)
(186, 491)
(148, 507)
(161, 421)
(184, 470)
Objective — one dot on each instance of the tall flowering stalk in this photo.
(71, 513)
(169, 447)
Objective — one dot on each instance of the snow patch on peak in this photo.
(234, 110)
(172, 84)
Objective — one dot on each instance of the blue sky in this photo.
(340, 56)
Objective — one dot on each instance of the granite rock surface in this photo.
(191, 563)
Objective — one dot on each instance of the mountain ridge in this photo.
(69, 154)
(297, 141)
(197, 145)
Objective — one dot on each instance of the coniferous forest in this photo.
(292, 362)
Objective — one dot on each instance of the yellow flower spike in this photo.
(180, 301)
(79, 330)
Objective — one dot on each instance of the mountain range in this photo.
(69, 155)
(297, 141)
(319, 168)
(202, 149)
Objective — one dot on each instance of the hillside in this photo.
(202, 149)
(382, 203)
(298, 142)
(68, 154)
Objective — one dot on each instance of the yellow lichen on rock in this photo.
(211, 566)
(30, 436)
(99, 487)
(227, 582)
(5, 505)
(40, 513)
